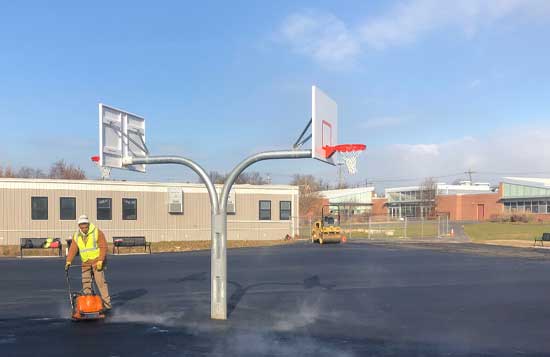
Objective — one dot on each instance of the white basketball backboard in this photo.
(121, 135)
(324, 124)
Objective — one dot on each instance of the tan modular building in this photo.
(38, 208)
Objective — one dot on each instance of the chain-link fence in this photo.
(384, 227)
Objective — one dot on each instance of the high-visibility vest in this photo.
(90, 249)
(48, 242)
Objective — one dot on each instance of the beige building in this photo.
(38, 208)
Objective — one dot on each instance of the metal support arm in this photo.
(266, 155)
(218, 270)
(185, 162)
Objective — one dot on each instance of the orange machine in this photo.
(85, 306)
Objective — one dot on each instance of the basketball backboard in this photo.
(324, 124)
(121, 135)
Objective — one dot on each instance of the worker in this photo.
(91, 244)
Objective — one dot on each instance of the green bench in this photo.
(544, 238)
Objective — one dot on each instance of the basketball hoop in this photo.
(349, 153)
(104, 170)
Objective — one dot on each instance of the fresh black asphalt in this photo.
(354, 299)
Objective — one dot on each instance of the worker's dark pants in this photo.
(100, 282)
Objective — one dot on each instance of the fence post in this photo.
(310, 228)
(405, 228)
(369, 229)
(447, 220)
(438, 226)
(422, 227)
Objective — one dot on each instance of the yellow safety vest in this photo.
(90, 249)
(48, 242)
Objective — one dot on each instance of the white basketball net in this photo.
(350, 160)
(104, 171)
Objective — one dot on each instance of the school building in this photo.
(38, 208)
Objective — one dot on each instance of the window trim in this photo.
(110, 208)
(132, 199)
(260, 210)
(47, 208)
(60, 208)
(281, 210)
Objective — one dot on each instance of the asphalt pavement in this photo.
(353, 299)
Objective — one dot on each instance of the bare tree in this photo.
(252, 178)
(428, 194)
(310, 199)
(29, 172)
(7, 172)
(58, 170)
(62, 170)
(216, 177)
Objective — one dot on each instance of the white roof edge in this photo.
(140, 184)
(349, 190)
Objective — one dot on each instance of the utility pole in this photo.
(469, 173)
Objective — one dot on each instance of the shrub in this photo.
(513, 218)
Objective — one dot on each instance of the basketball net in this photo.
(349, 154)
(104, 171)
(350, 160)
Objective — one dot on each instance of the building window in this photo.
(67, 208)
(265, 210)
(104, 209)
(129, 209)
(542, 206)
(285, 210)
(521, 206)
(39, 208)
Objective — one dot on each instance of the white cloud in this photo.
(407, 22)
(329, 40)
(382, 122)
(323, 37)
(520, 149)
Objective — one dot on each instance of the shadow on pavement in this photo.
(308, 283)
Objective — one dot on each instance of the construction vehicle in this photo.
(85, 306)
(327, 229)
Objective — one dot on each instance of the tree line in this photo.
(309, 187)
(58, 170)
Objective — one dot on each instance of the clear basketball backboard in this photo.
(324, 124)
(121, 135)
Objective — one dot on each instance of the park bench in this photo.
(544, 238)
(130, 242)
(40, 243)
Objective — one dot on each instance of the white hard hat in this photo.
(83, 219)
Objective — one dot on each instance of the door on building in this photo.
(480, 212)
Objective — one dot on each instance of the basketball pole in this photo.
(218, 252)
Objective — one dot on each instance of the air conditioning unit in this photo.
(175, 200)
(231, 202)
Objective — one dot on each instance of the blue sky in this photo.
(431, 87)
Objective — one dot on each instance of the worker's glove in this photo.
(99, 265)
(67, 266)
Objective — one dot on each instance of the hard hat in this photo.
(83, 219)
